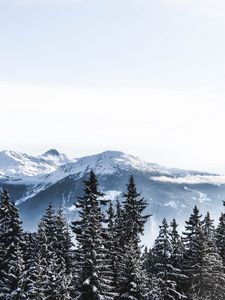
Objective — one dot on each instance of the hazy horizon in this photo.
(144, 77)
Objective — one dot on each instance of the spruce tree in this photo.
(202, 262)
(49, 275)
(211, 277)
(133, 218)
(133, 278)
(92, 262)
(177, 255)
(209, 228)
(220, 237)
(36, 279)
(166, 273)
(47, 241)
(63, 257)
(111, 245)
(193, 254)
(118, 235)
(29, 249)
(29, 254)
(11, 245)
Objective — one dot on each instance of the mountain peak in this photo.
(52, 152)
(111, 153)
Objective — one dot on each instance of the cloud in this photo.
(198, 179)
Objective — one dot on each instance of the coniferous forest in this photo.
(98, 256)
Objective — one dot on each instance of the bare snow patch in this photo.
(72, 208)
(201, 197)
(171, 203)
(112, 195)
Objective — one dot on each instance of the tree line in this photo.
(106, 260)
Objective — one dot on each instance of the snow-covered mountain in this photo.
(17, 166)
(116, 162)
(33, 181)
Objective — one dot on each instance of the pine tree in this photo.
(11, 256)
(177, 254)
(92, 263)
(149, 261)
(133, 278)
(47, 241)
(211, 277)
(118, 236)
(36, 279)
(49, 275)
(220, 236)
(193, 243)
(166, 273)
(29, 254)
(202, 262)
(133, 218)
(177, 244)
(209, 228)
(212, 283)
(16, 274)
(63, 257)
(29, 249)
(111, 245)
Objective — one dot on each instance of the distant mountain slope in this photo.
(17, 166)
(34, 181)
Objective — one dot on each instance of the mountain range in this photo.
(33, 181)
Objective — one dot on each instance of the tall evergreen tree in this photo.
(63, 257)
(49, 277)
(209, 228)
(36, 279)
(133, 218)
(193, 254)
(11, 244)
(220, 237)
(177, 255)
(29, 249)
(212, 278)
(29, 254)
(177, 245)
(202, 263)
(47, 241)
(92, 263)
(111, 246)
(166, 273)
(119, 246)
(133, 278)
(64, 241)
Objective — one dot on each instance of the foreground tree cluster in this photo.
(106, 260)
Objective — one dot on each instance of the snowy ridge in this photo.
(15, 165)
(53, 166)
(105, 163)
(116, 162)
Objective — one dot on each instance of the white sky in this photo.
(145, 77)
